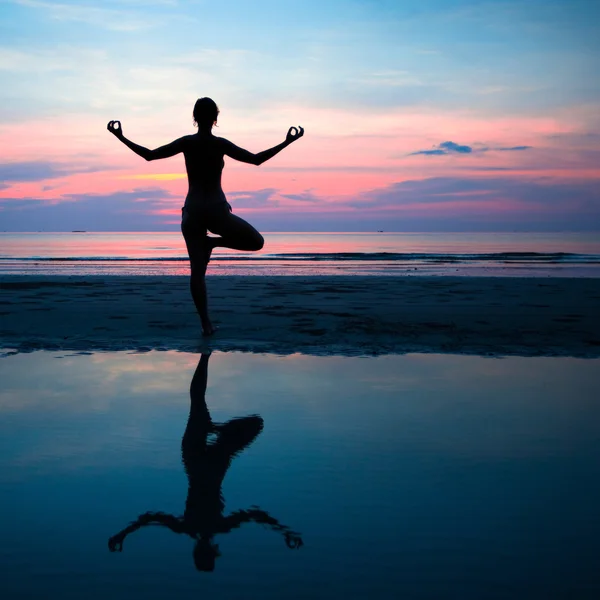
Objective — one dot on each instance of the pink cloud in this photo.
(345, 155)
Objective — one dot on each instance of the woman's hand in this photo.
(115, 128)
(115, 543)
(293, 540)
(294, 133)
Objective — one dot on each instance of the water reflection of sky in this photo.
(424, 475)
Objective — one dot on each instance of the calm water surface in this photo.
(417, 476)
(152, 253)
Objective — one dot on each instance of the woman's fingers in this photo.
(115, 127)
(295, 132)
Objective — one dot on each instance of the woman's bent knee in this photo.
(260, 242)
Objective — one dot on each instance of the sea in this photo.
(558, 254)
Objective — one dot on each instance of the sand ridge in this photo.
(346, 315)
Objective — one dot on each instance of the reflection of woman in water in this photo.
(206, 465)
(206, 208)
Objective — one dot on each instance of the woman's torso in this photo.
(204, 165)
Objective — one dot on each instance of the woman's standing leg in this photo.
(196, 243)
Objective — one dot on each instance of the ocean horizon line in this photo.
(317, 231)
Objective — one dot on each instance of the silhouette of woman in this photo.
(206, 465)
(206, 208)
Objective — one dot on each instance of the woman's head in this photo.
(205, 113)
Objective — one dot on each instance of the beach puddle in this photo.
(175, 475)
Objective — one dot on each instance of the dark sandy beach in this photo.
(312, 315)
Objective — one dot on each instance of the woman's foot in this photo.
(208, 328)
(209, 247)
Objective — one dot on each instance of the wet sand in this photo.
(310, 315)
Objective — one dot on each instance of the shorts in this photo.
(199, 221)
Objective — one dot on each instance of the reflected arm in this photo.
(115, 543)
(256, 515)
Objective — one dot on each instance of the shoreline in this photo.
(320, 315)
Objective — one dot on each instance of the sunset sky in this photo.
(420, 115)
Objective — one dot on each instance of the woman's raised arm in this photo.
(245, 156)
(163, 152)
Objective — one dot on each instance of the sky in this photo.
(420, 115)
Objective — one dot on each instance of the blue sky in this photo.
(403, 77)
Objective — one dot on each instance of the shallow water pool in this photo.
(167, 474)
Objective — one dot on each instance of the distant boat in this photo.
(79, 231)
(380, 231)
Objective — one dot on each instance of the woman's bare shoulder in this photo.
(185, 141)
(221, 141)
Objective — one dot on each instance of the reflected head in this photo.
(205, 554)
(205, 113)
